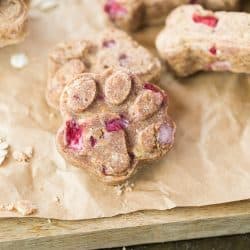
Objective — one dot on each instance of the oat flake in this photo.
(47, 5)
(3, 150)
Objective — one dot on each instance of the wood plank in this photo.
(130, 229)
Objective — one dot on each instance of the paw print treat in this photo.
(13, 21)
(113, 48)
(114, 123)
(205, 40)
(130, 15)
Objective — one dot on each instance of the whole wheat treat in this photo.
(205, 40)
(130, 15)
(13, 21)
(113, 48)
(114, 123)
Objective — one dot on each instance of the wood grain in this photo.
(130, 229)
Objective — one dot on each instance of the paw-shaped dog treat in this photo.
(113, 48)
(205, 40)
(13, 21)
(130, 15)
(114, 123)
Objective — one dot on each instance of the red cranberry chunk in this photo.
(208, 20)
(104, 170)
(123, 60)
(93, 141)
(154, 88)
(165, 134)
(213, 50)
(151, 87)
(73, 135)
(116, 124)
(192, 1)
(114, 9)
(100, 97)
(108, 43)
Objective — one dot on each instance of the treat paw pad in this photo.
(114, 123)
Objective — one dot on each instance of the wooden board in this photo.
(130, 229)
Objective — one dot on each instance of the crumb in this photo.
(49, 221)
(57, 199)
(28, 151)
(125, 187)
(9, 207)
(24, 156)
(19, 60)
(119, 190)
(20, 156)
(25, 207)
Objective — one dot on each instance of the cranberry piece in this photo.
(116, 124)
(108, 43)
(100, 97)
(104, 170)
(93, 141)
(165, 134)
(76, 97)
(114, 9)
(213, 50)
(131, 155)
(192, 1)
(73, 135)
(151, 87)
(210, 21)
(123, 60)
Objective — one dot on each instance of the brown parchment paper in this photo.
(209, 164)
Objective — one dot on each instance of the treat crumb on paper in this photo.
(7, 207)
(28, 151)
(19, 60)
(125, 187)
(57, 199)
(24, 156)
(25, 207)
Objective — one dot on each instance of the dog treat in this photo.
(113, 48)
(114, 123)
(13, 21)
(132, 14)
(205, 40)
